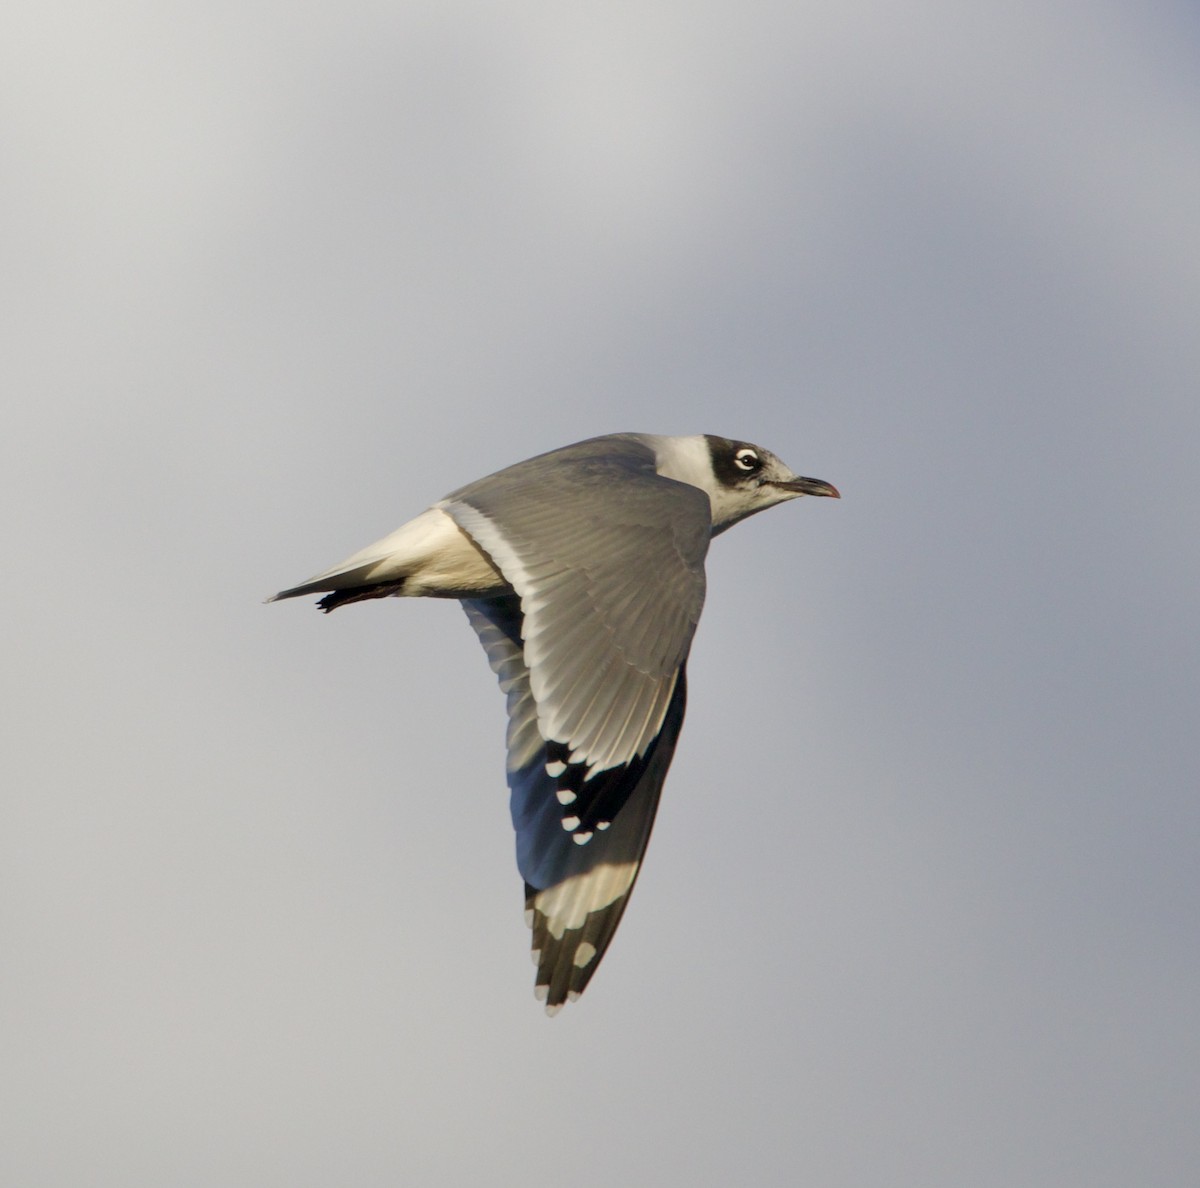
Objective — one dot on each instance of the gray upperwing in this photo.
(574, 895)
(497, 622)
(607, 558)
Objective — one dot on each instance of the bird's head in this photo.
(745, 479)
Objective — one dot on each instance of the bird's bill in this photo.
(808, 486)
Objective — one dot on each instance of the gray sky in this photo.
(921, 903)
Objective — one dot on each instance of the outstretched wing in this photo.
(574, 894)
(607, 560)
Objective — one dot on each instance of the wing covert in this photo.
(607, 558)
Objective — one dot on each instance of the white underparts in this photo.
(431, 554)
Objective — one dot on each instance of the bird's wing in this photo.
(607, 560)
(574, 895)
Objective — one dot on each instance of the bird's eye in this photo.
(747, 460)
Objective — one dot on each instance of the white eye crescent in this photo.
(747, 460)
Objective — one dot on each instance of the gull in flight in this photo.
(582, 573)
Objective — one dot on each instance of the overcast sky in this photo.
(921, 905)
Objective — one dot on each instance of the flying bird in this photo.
(582, 573)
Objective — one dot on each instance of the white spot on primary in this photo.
(570, 823)
(558, 1006)
(541, 991)
(566, 796)
(603, 825)
(536, 954)
(581, 839)
(584, 953)
(555, 769)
